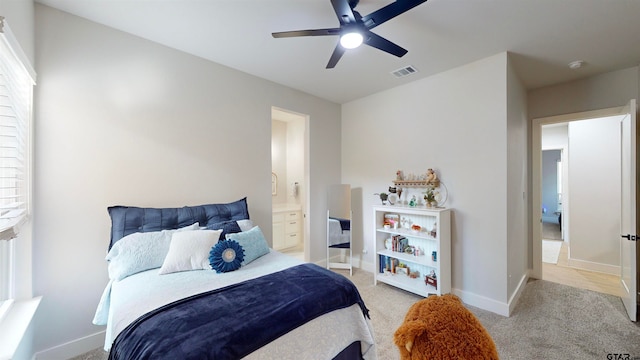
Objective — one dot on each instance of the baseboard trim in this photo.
(594, 266)
(73, 348)
(482, 302)
(516, 294)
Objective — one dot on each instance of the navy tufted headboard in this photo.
(127, 220)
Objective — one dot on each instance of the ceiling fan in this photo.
(355, 29)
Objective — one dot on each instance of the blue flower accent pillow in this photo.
(226, 256)
(253, 243)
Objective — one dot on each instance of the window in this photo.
(16, 98)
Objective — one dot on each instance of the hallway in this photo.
(561, 273)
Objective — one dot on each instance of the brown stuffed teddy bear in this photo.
(440, 327)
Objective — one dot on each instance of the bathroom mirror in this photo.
(339, 227)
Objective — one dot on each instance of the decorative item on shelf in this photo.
(412, 180)
(415, 228)
(392, 219)
(399, 243)
(435, 196)
(431, 177)
(434, 231)
(431, 279)
(413, 201)
(434, 255)
(387, 244)
(383, 197)
(393, 198)
(417, 251)
(430, 197)
(442, 194)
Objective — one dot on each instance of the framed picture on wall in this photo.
(274, 184)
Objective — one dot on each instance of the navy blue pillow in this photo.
(228, 227)
(127, 220)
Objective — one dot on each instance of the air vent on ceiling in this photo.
(405, 71)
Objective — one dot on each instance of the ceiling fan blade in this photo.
(344, 11)
(337, 54)
(389, 12)
(383, 44)
(313, 32)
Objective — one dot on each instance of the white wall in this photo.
(597, 92)
(517, 202)
(19, 16)
(121, 120)
(456, 123)
(555, 136)
(594, 186)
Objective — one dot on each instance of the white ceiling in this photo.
(543, 35)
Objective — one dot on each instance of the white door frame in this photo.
(303, 190)
(536, 175)
(628, 210)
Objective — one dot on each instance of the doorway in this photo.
(573, 198)
(289, 182)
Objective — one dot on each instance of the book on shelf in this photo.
(399, 243)
(388, 263)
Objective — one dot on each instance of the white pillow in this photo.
(140, 251)
(245, 225)
(189, 250)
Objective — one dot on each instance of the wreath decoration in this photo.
(226, 256)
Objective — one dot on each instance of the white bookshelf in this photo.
(422, 240)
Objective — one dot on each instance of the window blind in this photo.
(16, 98)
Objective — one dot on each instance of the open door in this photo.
(628, 224)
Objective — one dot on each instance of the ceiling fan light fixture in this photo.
(351, 40)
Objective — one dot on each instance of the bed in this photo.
(159, 304)
(339, 237)
(339, 232)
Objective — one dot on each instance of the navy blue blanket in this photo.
(345, 224)
(232, 322)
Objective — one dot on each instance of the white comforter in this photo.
(336, 234)
(324, 337)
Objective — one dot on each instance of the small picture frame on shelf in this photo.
(393, 220)
(431, 281)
